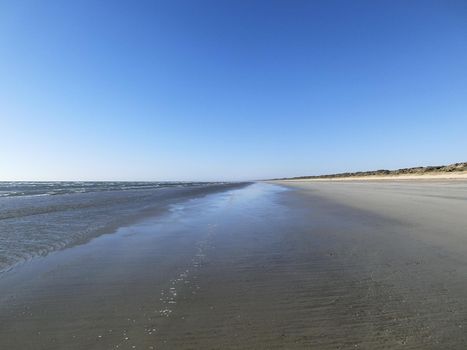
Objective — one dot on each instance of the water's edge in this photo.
(39, 226)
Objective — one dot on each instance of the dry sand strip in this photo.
(297, 266)
(461, 175)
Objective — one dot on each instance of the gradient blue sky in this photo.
(229, 90)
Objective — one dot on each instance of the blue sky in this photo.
(229, 90)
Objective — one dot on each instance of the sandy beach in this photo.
(461, 175)
(302, 265)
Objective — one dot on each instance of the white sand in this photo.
(441, 176)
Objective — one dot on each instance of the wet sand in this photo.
(269, 266)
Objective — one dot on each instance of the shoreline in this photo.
(121, 207)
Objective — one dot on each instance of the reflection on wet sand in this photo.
(260, 267)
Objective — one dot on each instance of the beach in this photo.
(280, 265)
(460, 175)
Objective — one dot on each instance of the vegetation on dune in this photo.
(457, 167)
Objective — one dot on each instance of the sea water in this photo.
(39, 217)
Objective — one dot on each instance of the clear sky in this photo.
(229, 90)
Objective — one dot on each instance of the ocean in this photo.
(37, 218)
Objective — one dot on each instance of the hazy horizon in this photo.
(231, 90)
(195, 180)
